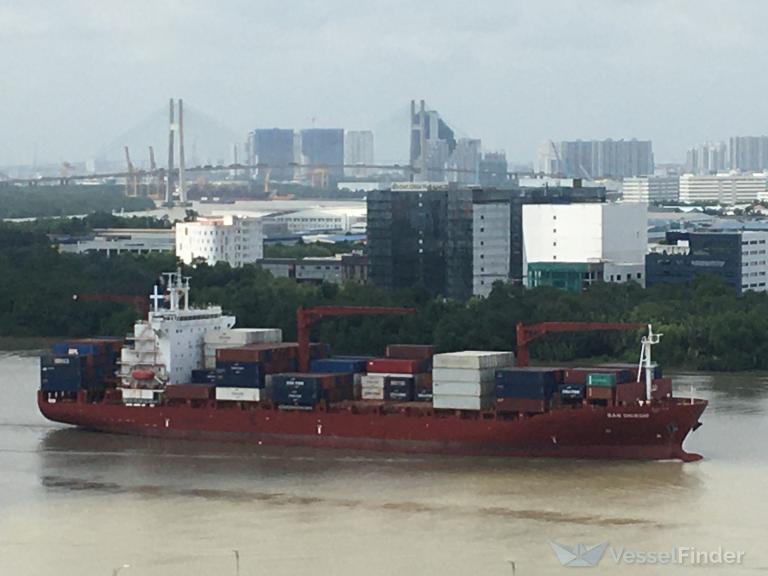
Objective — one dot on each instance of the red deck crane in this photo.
(531, 332)
(140, 302)
(308, 317)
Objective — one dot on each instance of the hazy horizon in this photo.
(79, 75)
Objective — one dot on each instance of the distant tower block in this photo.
(169, 179)
(182, 161)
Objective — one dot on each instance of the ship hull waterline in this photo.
(633, 432)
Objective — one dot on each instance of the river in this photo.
(76, 503)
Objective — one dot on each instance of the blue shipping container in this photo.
(206, 376)
(526, 383)
(239, 375)
(290, 390)
(79, 348)
(61, 375)
(400, 388)
(338, 365)
(572, 391)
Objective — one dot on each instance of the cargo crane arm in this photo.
(308, 317)
(141, 303)
(531, 332)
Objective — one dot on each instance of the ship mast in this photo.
(645, 360)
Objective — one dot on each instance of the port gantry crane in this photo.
(308, 317)
(528, 333)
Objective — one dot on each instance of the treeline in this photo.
(705, 325)
(302, 250)
(43, 201)
(87, 224)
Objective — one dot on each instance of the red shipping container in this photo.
(630, 392)
(395, 365)
(412, 351)
(661, 388)
(601, 393)
(259, 352)
(188, 392)
(525, 405)
(423, 380)
(278, 353)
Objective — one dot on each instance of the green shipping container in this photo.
(601, 380)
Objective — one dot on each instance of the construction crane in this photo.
(531, 332)
(157, 178)
(308, 317)
(139, 302)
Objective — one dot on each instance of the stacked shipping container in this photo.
(402, 376)
(465, 380)
(86, 363)
(527, 390)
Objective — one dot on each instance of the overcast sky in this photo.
(76, 74)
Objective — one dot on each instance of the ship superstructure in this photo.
(166, 347)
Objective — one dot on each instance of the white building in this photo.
(612, 234)
(651, 189)
(358, 149)
(491, 246)
(754, 267)
(232, 239)
(116, 241)
(730, 188)
(341, 219)
(709, 158)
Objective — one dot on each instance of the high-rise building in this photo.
(494, 170)
(709, 158)
(651, 189)
(358, 149)
(453, 241)
(748, 153)
(432, 143)
(231, 239)
(611, 235)
(274, 149)
(730, 188)
(323, 150)
(464, 162)
(592, 159)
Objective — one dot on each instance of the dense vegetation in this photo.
(705, 326)
(87, 224)
(302, 250)
(41, 201)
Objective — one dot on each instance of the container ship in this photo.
(187, 372)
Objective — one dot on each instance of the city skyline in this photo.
(555, 70)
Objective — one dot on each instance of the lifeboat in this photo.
(143, 374)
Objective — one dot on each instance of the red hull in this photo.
(628, 432)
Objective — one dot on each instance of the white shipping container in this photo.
(243, 336)
(239, 394)
(474, 359)
(450, 402)
(372, 394)
(373, 380)
(139, 393)
(463, 388)
(468, 375)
